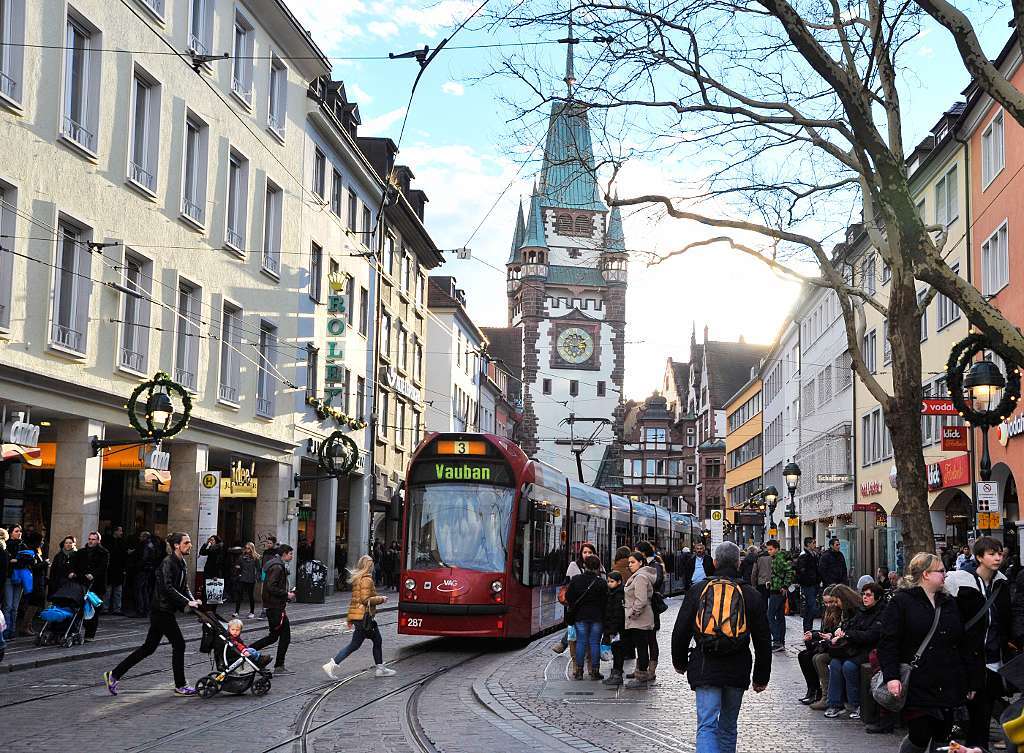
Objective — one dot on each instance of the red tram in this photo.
(488, 534)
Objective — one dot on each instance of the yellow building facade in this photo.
(743, 456)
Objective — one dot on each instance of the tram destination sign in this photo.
(459, 471)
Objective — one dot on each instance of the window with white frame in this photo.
(995, 262)
(72, 288)
(417, 360)
(337, 187)
(144, 138)
(135, 314)
(272, 202)
(416, 427)
(992, 150)
(809, 397)
(194, 169)
(238, 200)
(389, 255)
(8, 205)
(319, 173)
(948, 311)
(12, 39)
(277, 104)
(186, 355)
(200, 26)
(353, 210)
(404, 281)
(266, 382)
(154, 6)
(242, 59)
(385, 335)
(886, 344)
(366, 236)
(81, 83)
(867, 274)
(312, 370)
(316, 271)
(382, 414)
(869, 347)
(947, 204)
(230, 353)
(927, 422)
(421, 284)
(399, 423)
(360, 398)
(403, 348)
(844, 371)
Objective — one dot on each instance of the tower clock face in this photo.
(575, 345)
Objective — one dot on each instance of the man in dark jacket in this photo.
(698, 566)
(91, 565)
(720, 680)
(276, 596)
(832, 565)
(984, 599)
(808, 578)
(118, 548)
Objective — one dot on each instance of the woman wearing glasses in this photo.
(950, 670)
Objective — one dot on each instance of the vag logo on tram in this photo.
(448, 585)
(462, 472)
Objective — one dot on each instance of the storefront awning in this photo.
(15, 452)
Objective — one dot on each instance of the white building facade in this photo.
(780, 394)
(454, 378)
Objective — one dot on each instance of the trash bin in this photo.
(311, 582)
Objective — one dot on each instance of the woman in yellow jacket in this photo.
(361, 610)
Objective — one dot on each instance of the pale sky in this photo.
(465, 154)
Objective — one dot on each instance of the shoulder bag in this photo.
(879, 688)
(992, 593)
(570, 608)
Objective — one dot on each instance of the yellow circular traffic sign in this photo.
(716, 515)
(209, 480)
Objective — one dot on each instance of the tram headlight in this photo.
(410, 584)
(496, 586)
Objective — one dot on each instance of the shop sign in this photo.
(1009, 429)
(954, 439)
(867, 506)
(156, 468)
(881, 520)
(401, 385)
(242, 483)
(938, 406)
(337, 311)
(870, 488)
(835, 478)
(209, 503)
(20, 432)
(987, 494)
(949, 473)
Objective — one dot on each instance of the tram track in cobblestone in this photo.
(150, 672)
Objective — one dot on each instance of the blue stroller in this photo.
(63, 618)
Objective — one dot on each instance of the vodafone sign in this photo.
(1009, 429)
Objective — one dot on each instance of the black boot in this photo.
(881, 727)
(809, 697)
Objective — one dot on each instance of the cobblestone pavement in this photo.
(454, 696)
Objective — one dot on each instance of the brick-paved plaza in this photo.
(514, 699)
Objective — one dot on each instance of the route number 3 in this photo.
(415, 622)
(461, 448)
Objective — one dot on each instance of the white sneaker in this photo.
(329, 669)
(251, 615)
(383, 671)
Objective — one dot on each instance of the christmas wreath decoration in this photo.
(142, 421)
(960, 359)
(324, 411)
(344, 463)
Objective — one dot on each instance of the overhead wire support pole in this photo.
(578, 451)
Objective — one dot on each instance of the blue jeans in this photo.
(358, 636)
(810, 594)
(12, 598)
(777, 617)
(717, 712)
(588, 634)
(843, 673)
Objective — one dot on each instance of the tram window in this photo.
(622, 537)
(542, 549)
(459, 525)
(589, 528)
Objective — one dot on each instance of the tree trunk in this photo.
(903, 416)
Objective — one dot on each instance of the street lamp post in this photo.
(982, 395)
(154, 418)
(791, 474)
(771, 499)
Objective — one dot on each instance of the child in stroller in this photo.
(62, 619)
(237, 668)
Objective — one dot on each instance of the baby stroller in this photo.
(62, 619)
(232, 672)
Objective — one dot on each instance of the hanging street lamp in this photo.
(152, 414)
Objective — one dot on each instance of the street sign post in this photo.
(987, 494)
(717, 528)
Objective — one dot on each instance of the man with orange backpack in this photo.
(724, 616)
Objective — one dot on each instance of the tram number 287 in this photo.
(414, 622)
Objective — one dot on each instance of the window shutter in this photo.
(83, 291)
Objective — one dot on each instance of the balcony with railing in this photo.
(131, 360)
(197, 45)
(228, 393)
(276, 123)
(79, 134)
(265, 407)
(242, 89)
(185, 378)
(234, 238)
(191, 209)
(272, 261)
(66, 337)
(8, 86)
(142, 177)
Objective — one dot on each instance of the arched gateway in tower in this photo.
(567, 296)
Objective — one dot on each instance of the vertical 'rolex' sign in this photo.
(337, 321)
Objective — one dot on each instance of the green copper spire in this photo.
(535, 224)
(517, 239)
(615, 239)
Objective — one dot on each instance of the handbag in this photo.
(214, 590)
(570, 608)
(879, 688)
(658, 602)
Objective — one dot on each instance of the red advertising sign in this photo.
(868, 488)
(949, 473)
(954, 438)
(938, 406)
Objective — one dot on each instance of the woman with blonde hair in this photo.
(245, 573)
(361, 611)
(950, 667)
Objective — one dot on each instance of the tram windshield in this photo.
(459, 525)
